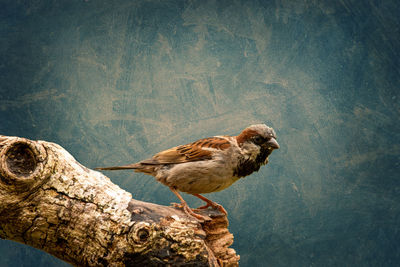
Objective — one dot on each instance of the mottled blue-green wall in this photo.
(114, 82)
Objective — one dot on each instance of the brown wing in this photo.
(191, 152)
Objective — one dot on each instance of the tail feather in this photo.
(125, 167)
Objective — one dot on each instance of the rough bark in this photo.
(50, 201)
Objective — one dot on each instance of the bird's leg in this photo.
(210, 203)
(183, 205)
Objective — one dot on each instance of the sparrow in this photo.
(208, 165)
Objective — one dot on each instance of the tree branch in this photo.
(50, 201)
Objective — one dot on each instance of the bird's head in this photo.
(258, 141)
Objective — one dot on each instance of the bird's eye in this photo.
(257, 139)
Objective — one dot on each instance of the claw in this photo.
(210, 204)
(190, 212)
(203, 207)
(220, 208)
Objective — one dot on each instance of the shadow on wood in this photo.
(51, 202)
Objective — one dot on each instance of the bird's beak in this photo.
(272, 143)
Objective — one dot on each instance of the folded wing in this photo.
(198, 150)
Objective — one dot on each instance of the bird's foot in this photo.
(214, 206)
(210, 203)
(202, 207)
(190, 212)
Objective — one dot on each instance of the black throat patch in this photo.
(247, 166)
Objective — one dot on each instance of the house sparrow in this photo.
(209, 165)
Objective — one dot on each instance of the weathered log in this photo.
(51, 202)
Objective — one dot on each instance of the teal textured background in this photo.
(114, 82)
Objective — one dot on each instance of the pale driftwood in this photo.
(50, 201)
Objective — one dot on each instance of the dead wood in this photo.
(50, 201)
